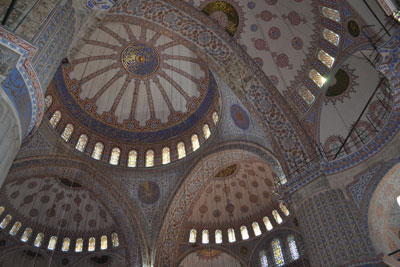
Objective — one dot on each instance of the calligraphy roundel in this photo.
(149, 192)
(140, 59)
(240, 117)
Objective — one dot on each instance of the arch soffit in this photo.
(192, 184)
(231, 63)
(220, 248)
(112, 195)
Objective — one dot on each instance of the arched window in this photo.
(115, 152)
(277, 217)
(26, 235)
(267, 223)
(195, 142)
(92, 244)
(256, 228)
(244, 232)
(14, 230)
(132, 158)
(65, 244)
(284, 209)
(52, 243)
(98, 151)
(398, 200)
(218, 236)
(181, 150)
(5, 221)
(325, 58)
(81, 144)
(55, 119)
(38, 240)
(330, 13)
(278, 256)
(293, 248)
(103, 242)
(317, 77)
(331, 36)
(206, 131)
(150, 158)
(192, 236)
(263, 258)
(2, 209)
(48, 101)
(215, 117)
(68, 130)
(306, 95)
(166, 157)
(231, 235)
(204, 237)
(79, 245)
(114, 239)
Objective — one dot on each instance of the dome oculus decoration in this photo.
(140, 59)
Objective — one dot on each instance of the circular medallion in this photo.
(140, 59)
(353, 28)
(240, 117)
(149, 192)
(224, 14)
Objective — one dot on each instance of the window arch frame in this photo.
(114, 158)
(67, 132)
(100, 154)
(166, 155)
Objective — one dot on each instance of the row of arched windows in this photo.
(277, 252)
(243, 229)
(132, 155)
(79, 243)
(323, 56)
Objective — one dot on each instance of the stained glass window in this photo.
(48, 101)
(267, 223)
(277, 217)
(92, 244)
(26, 235)
(79, 245)
(114, 239)
(6, 221)
(55, 119)
(103, 244)
(330, 13)
(278, 256)
(38, 240)
(293, 248)
(263, 258)
(306, 95)
(206, 131)
(317, 77)
(14, 230)
(115, 152)
(192, 236)
(195, 142)
(284, 209)
(256, 228)
(218, 236)
(132, 158)
(68, 130)
(244, 232)
(81, 144)
(2, 209)
(98, 151)
(150, 158)
(331, 36)
(282, 178)
(215, 117)
(52, 243)
(65, 244)
(231, 235)
(325, 58)
(181, 150)
(166, 157)
(204, 237)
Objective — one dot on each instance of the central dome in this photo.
(140, 59)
